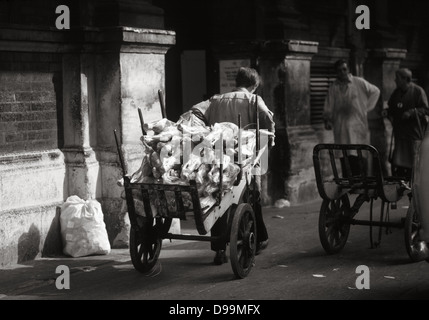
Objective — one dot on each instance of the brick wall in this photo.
(29, 96)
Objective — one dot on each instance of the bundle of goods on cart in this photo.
(178, 152)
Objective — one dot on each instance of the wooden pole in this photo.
(141, 121)
(121, 159)
(162, 102)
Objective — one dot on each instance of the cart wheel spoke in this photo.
(336, 237)
(333, 239)
(147, 254)
(249, 227)
(243, 258)
(144, 256)
(140, 251)
(329, 230)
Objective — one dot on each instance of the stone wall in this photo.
(62, 93)
(31, 164)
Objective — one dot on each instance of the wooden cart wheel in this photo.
(145, 245)
(411, 232)
(243, 240)
(334, 227)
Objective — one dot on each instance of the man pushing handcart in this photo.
(172, 182)
(208, 165)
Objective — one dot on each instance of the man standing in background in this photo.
(347, 104)
(408, 108)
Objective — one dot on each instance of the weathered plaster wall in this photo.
(31, 188)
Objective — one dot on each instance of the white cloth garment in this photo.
(346, 107)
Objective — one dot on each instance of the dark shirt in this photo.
(402, 101)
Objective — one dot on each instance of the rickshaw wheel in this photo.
(243, 240)
(411, 232)
(334, 227)
(146, 244)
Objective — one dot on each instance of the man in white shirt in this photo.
(346, 108)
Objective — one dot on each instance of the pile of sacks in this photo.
(176, 153)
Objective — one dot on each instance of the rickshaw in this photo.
(337, 185)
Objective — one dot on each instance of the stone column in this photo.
(82, 170)
(117, 66)
(285, 69)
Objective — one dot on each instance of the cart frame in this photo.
(148, 230)
(336, 212)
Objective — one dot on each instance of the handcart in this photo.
(149, 228)
(337, 184)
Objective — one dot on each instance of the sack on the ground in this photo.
(83, 230)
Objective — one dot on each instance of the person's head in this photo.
(342, 69)
(247, 78)
(403, 78)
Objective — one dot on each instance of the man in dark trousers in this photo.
(225, 108)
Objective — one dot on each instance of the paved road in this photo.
(293, 267)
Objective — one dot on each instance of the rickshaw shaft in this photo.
(376, 223)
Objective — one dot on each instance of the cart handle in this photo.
(220, 169)
(121, 159)
(258, 144)
(240, 154)
(141, 121)
(162, 102)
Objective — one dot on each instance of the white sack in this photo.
(83, 230)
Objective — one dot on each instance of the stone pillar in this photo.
(82, 170)
(130, 71)
(380, 69)
(290, 59)
(117, 71)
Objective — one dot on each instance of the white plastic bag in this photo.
(83, 230)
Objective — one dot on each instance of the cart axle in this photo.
(189, 237)
(377, 223)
